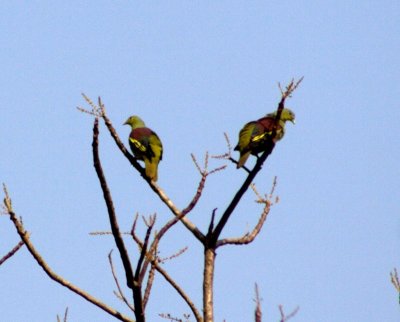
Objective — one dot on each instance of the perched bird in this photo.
(145, 145)
(253, 136)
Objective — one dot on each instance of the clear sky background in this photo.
(193, 70)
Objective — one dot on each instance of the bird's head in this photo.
(134, 121)
(286, 115)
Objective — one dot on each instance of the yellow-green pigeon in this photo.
(253, 136)
(145, 145)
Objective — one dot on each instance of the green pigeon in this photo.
(145, 145)
(253, 136)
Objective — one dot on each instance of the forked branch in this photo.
(65, 316)
(394, 278)
(228, 155)
(151, 259)
(284, 317)
(249, 237)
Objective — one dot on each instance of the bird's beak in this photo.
(126, 122)
(294, 121)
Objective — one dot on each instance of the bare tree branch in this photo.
(211, 225)
(213, 237)
(24, 235)
(208, 284)
(149, 285)
(184, 296)
(210, 241)
(249, 237)
(204, 174)
(65, 316)
(257, 312)
(168, 316)
(173, 256)
(151, 259)
(239, 194)
(394, 277)
(143, 253)
(11, 252)
(139, 274)
(133, 233)
(196, 197)
(120, 293)
(228, 155)
(110, 207)
(285, 317)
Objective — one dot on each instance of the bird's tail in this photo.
(151, 167)
(242, 160)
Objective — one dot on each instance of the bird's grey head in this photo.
(286, 115)
(134, 121)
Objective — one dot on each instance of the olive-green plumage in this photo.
(145, 145)
(253, 136)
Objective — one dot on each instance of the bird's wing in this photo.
(139, 141)
(156, 145)
(246, 134)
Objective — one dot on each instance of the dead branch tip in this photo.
(257, 312)
(97, 111)
(285, 317)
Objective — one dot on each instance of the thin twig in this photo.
(196, 197)
(120, 292)
(95, 111)
(248, 237)
(168, 316)
(133, 233)
(394, 277)
(211, 225)
(139, 272)
(173, 256)
(65, 316)
(105, 233)
(149, 285)
(185, 297)
(257, 312)
(11, 252)
(228, 155)
(204, 174)
(285, 317)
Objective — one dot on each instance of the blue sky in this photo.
(193, 70)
